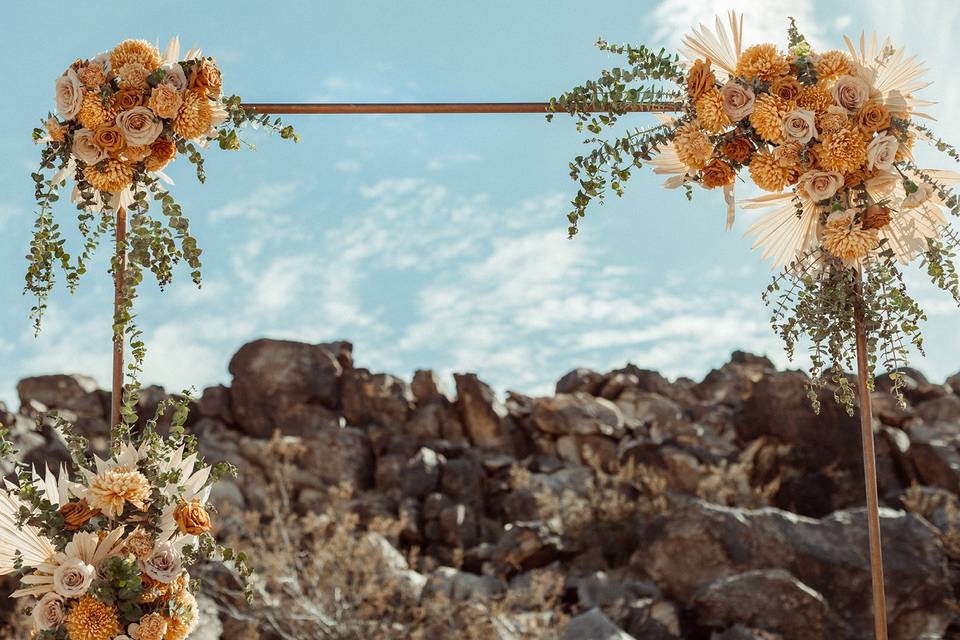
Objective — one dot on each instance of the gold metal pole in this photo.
(116, 397)
(870, 469)
(436, 107)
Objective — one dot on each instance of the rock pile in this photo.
(722, 509)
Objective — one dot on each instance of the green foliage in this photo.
(120, 584)
(647, 82)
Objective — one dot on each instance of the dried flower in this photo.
(152, 626)
(833, 120)
(845, 238)
(717, 173)
(163, 564)
(875, 217)
(165, 101)
(764, 62)
(737, 149)
(133, 75)
(738, 100)
(923, 193)
(832, 64)
(769, 173)
(710, 111)
(76, 513)
(140, 126)
(163, 151)
(819, 185)
(195, 116)
(700, 78)
(786, 88)
(139, 543)
(55, 130)
(800, 126)
(842, 151)
(206, 77)
(127, 99)
(69, 94)
(91, 75)
(814, 98)
(73, 577)
(110, 175)
(872, 117)
(110, 490)
(109, 138)
(50, 612)
(881, 152)
(181, 627)
(767, 117)
(91, 619)
(138, 51)
(138, 153)
(93, 114)
(692, 144)
(851, 93)
(192, 518)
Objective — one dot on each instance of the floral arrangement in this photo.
(104, 548)
(121, 118)
(830, 135)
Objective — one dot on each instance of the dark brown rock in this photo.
(375, 398)
(215, 403)
(945, 409)
(935, 453)
(482, 415)
(586, 380)
(276, 383)
(577, 414)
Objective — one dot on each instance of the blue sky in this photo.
(430, 242)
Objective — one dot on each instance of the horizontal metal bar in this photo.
(333, 108)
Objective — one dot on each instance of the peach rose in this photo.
(737, 100)
(820, 185)
(873, 117)
(207, 76)
(50, 612)
(881, 152)
(165, 101)
(69, 94)
(140, 126)
(109, 138)
(800, 125)
(192, 518)
(700, 79)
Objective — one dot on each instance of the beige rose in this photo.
(72, 578)
(69, 94)
(139, 126)
(820, 185)
(851, 93)
(800, 125)
(165, 101)
(923, 193)
(174, 76)
(49, 613)
(737, 100)
(85, 148)
(163, 564)
(881, 152)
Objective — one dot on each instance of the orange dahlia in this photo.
(762, 61)
(700, 79)
(845, 238)
(814, 98)
(90, 619)
(692, 144)
(772, 173)
(710, 111)
(138, 51)
(110, 175)
(832, 64)
(843, 151)
(93, 114)
(768, 114)
(195, 115)
(717, 173)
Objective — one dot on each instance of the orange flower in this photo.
(192, 518)
(843, 151)
(717, 173)
(876, 217)
(710, 111)
(768, 114)
(700, 79)
(162, 152)
(872, 117)
(127, 99)
(814, 98)
(764, 62)
(76, 514)
(207, 76)
(787, 88)
(109, 138)
(737, 149)
(831, 65)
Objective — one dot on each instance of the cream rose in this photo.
(175, 76)
(49, 613)
(851, 92)
(163, 564)
(139, 126)
(881, 152)
(800, 125)
(737, 100)
(152, 626)
(72, 578)
(820, 185)
(69, 94)
(923, 193)
(85, 148)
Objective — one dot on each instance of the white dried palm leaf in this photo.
(781, 234)
(33, 548)
(895, 77)
(85, 546)
(723, 48)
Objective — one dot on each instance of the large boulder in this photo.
(75, 397)
(482, 415)
(594, 625)
(697, 544)
(290, 386)
(375, 398)
(577, 414)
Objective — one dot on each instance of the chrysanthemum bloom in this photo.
(179, 628)
(90, 619)
(162, 152)
(133, 75)
(787, 88)
(110, 490)
(768, 114)
(139, 51)
(737, 149)
(814, 98)
(771, 173)
(165, 101)
(152, 626)
(110, 175)
(93, 114)
(195, 116)
(91, 75)
(832, 121)
(693, 146)
(831, 65)
(842, 151)
(700, 79)
(762, 61)
(717, 173)
(710, 111)
(876, 217)
(845, 238)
